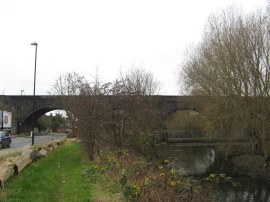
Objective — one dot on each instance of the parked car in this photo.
(5, 139)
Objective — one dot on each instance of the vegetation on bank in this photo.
(251, 165)
(65, 175)
(242, 161)
(142, 180)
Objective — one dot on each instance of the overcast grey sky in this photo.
(105, 35)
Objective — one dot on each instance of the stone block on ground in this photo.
(6, 171)
(22, 161)
(26, 150)
(43, 153)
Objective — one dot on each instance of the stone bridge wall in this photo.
(22, 106)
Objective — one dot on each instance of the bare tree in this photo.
(68, 85)
(232, 62)
(93, 113)
(139, 81)
(137, 115)
(118, 114)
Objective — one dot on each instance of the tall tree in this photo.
(118, 113)
(69, 86)
(136, 116)
(232, 62)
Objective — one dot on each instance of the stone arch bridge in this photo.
(22, 106)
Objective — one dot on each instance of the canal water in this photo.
(199, 159)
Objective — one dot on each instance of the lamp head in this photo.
(34, 43)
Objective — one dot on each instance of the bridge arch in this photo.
(23, 105)
(185, 119)
(22, 109)
(26, 121)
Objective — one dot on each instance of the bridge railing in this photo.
(172, 135)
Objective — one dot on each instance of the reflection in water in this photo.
(198, 159)
(195, 162)
(249, 191)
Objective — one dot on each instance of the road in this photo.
(17, 143)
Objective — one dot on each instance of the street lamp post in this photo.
(34, 94)
(20, 121)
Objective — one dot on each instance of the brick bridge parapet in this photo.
(22, 105)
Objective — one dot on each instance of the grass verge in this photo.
(58, 177)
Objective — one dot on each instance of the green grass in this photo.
(56, 178)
